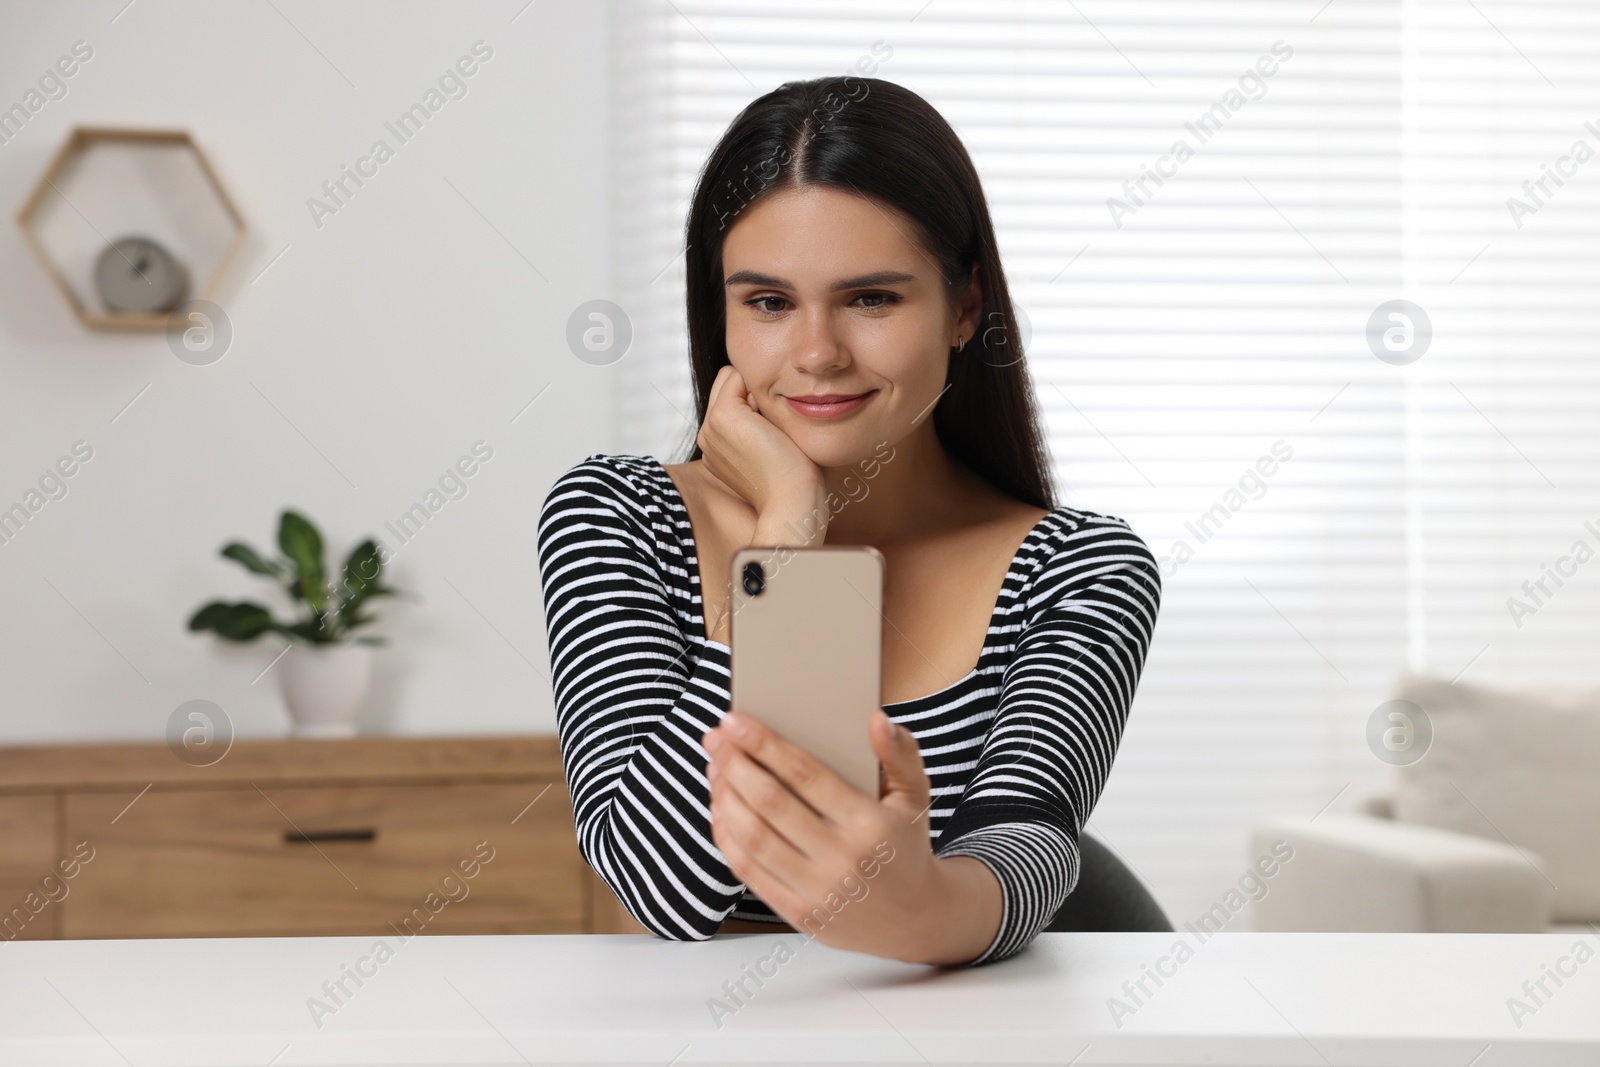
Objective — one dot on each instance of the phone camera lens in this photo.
(754, 580)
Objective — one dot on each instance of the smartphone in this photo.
(807, 650)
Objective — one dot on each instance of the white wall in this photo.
(391, 338)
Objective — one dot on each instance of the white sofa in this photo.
(1495, 829)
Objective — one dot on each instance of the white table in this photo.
(1279, 999)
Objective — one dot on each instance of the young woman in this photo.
(858, 381)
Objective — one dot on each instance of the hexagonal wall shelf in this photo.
(107, 184)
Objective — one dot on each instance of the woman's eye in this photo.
(774, 305)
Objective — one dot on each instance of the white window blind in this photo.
(1506, 200)
(1211, 326)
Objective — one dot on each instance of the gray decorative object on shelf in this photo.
(138, 274)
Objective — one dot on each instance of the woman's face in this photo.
(829, 293)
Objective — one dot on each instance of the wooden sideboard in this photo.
(366, 836)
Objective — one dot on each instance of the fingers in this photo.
(716, 385)
(759, 847)
(727, 379)
(737, 389)
(739, 392)
(793, 885)
(711, 403)
(751, 783)
(719, 434)
(783, 899)
(740, 865)
(748, 452)
(829, 795)
(906, 785)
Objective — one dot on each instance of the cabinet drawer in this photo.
(28, 904)
(368, 860)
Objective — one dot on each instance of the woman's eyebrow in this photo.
(865, 281)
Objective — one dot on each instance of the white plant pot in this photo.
(325, 687)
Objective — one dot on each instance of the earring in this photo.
(961, 344)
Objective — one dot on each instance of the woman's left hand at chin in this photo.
(854, 872)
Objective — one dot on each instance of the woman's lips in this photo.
(829, 405)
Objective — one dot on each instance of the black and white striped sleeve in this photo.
(630, 706)
(1063, 703)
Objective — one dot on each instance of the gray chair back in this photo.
(1108, 897)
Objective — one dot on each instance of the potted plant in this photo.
(326, 673)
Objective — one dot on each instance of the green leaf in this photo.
(364, 564)
(243, 621)
(209, 615)
(362, 572)
(352, 607)
(299, 540)
(240, 552)
(312, 631)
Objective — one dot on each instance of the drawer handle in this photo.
(295, 837)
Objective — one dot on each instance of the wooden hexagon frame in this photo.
(79, 142)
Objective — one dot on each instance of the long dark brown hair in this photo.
(876, 139)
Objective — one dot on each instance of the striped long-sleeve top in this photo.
(1017, 751)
